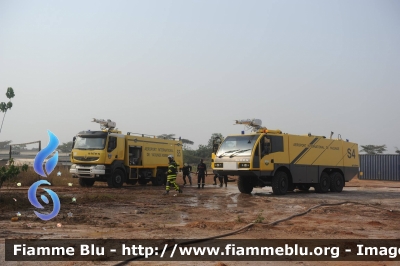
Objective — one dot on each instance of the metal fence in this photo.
(27, 156)
(380, 167)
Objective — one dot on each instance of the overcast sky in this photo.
(191, 68)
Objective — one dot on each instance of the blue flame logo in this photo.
(52, 162)
(32, 198)
(38, 167)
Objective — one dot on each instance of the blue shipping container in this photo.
(380, 167)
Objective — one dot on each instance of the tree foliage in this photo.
(211, 140)
(5, 144)
(5, 106)
(373, 149)
(397, 150)
(185, 142)
(65, 147)
(203, 151)
(11, 171)
(166, 136)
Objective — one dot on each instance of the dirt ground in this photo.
(142, 212)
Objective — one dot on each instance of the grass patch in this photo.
(259, 218)
(30, 177)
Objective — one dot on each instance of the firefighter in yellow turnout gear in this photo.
(171, 175)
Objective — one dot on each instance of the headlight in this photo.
(218, 165)
(100, 167)
(244, 165)
(73, 166)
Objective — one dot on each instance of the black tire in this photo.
(280, 183)
(337, 182)
(159, 179)
(86, 182)
(116, 180)
(245, 185)
(324, 183)
(303, 187)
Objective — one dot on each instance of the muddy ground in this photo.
(142, 212)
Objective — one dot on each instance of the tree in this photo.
(373, 149)
(203, 151)
(7, 173)
(166, 136)
(65, 147)
(211, 140)
(186, 144)
(5, 144)
(5, 106)
(397, 150)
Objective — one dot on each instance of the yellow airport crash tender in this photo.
(283, 161)
(115, 158)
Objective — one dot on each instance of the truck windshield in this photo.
(83, 143)
(237, 145)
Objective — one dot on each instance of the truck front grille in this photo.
(87, 159)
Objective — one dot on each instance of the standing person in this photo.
(171, 175)
(223, 179)
(201, 173)
(186, 172)
(215, 179)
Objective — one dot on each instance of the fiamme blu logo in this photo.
(49, 167)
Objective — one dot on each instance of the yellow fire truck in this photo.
(283, 161)
(115, 158)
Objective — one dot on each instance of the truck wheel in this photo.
(86, 182)
(303, 187)
(324, 183)
(244, 184)
(337, 182)
(159, 179)
(280, 183)
(117, 179)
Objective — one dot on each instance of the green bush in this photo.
(9, 172)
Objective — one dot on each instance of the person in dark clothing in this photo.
(186, 172)
(201, 174)
(215, 179)
(171, 175)
(222, 180)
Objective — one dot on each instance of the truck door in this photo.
(112, 150)
(266, 156)
(135, 155)
(271, 150)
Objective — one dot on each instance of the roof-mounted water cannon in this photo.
(255, 125)
(105, 124)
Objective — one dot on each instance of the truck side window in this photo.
(276, 143)
(112, 144)
(265, 146)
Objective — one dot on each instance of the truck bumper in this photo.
(87, 171)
